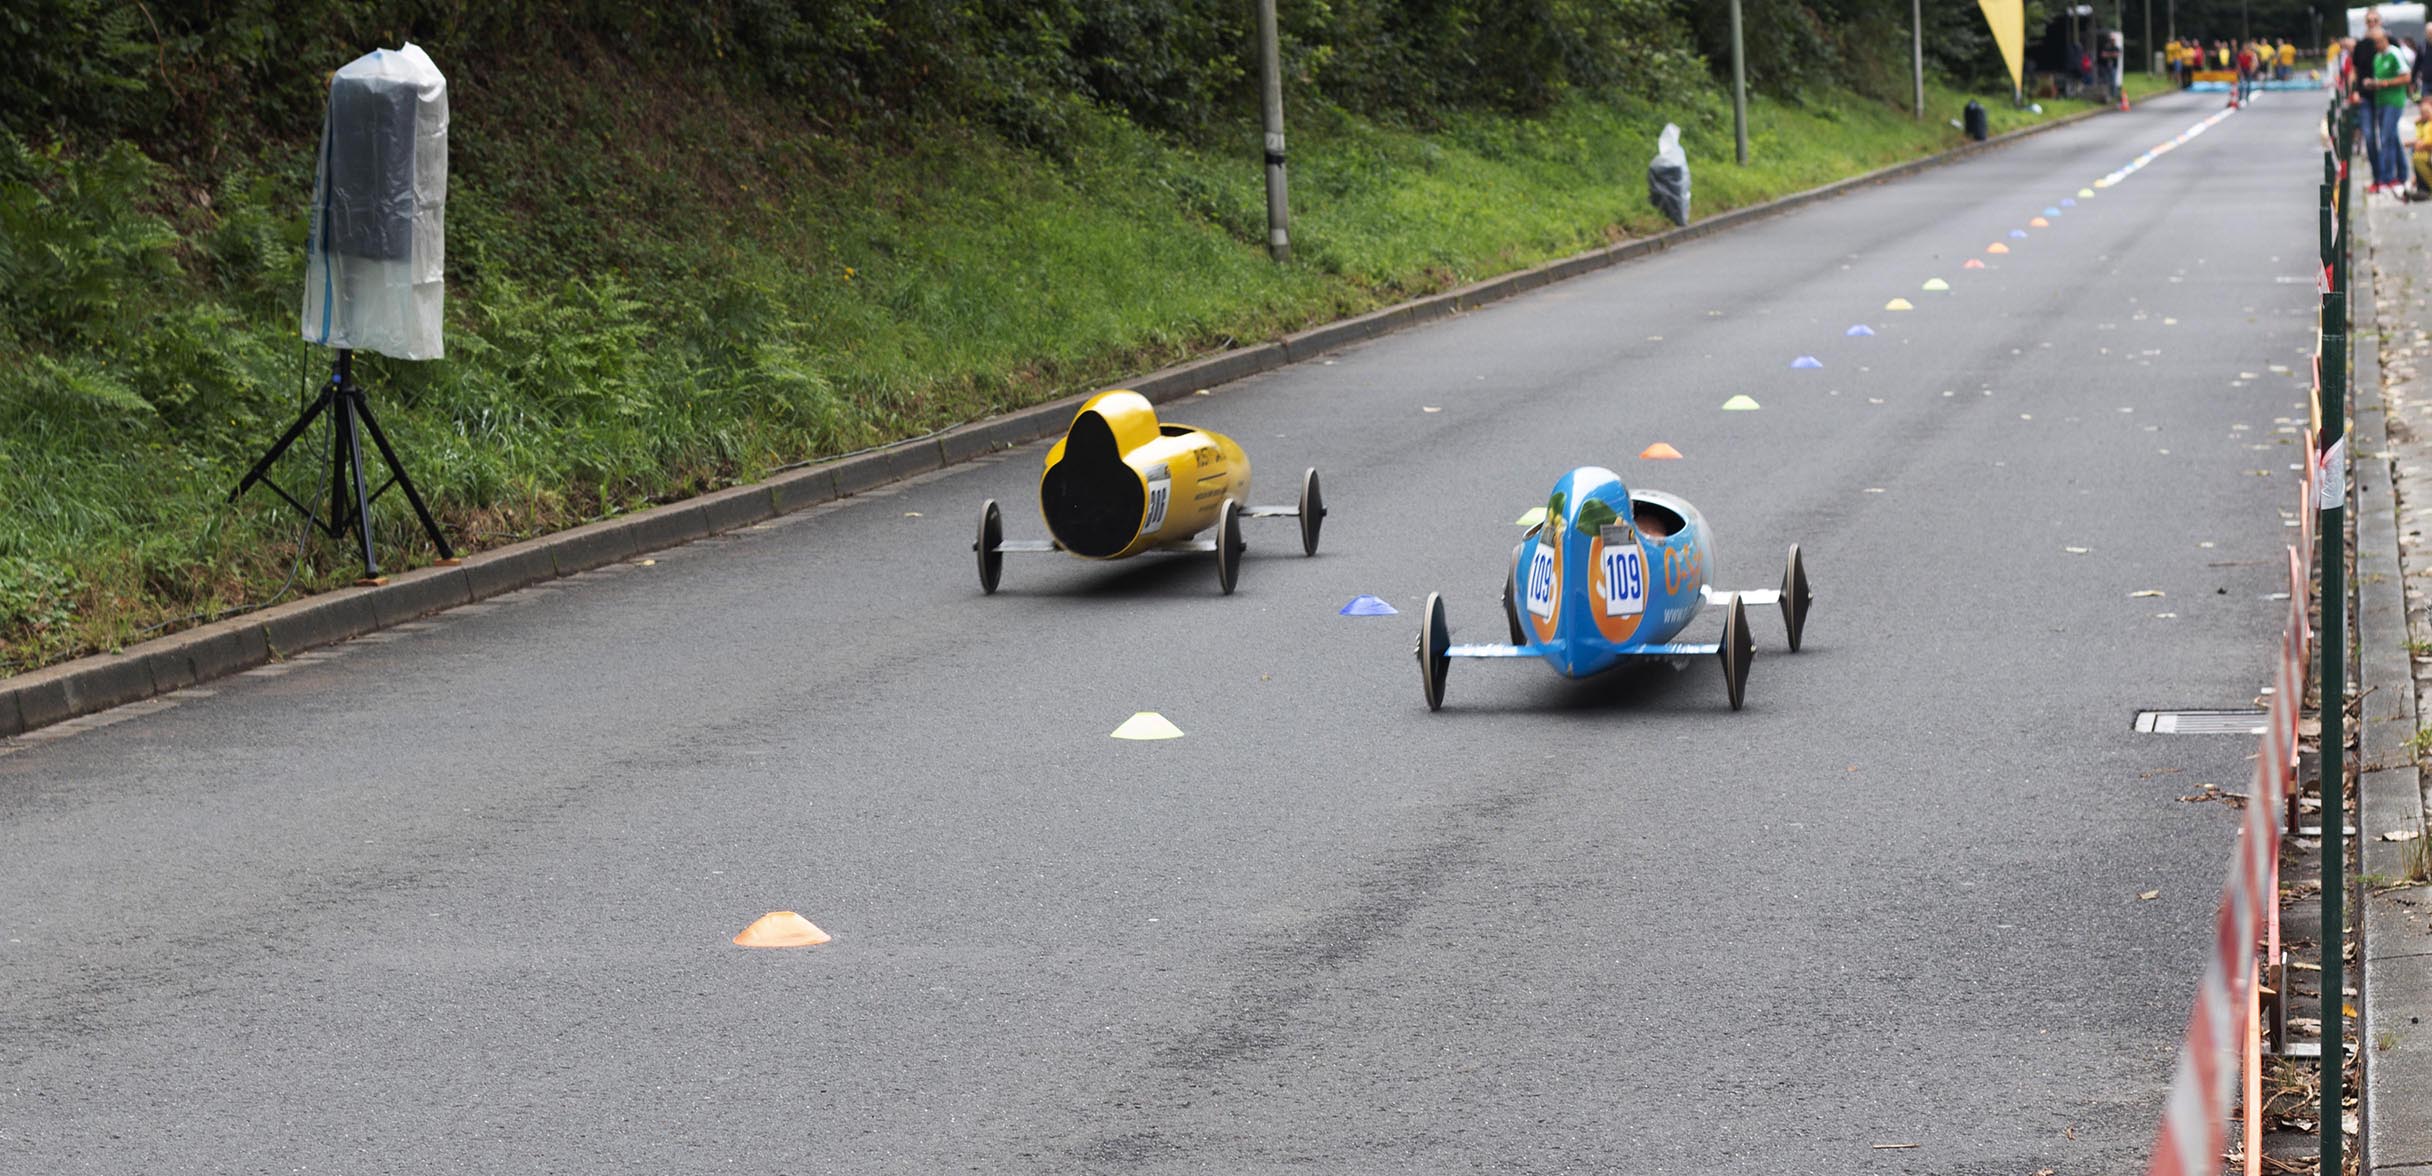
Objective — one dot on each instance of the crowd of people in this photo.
(2380, 74)
(2253, 61)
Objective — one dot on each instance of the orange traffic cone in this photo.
(781, 929)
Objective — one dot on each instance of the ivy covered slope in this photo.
(689, 243)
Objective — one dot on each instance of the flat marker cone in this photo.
(2018, 234)
(1147, 725)
(2039, 223)
(1660, 451)
(2051, 212)
(1740, 403)
(1935, 285)
(2068, 202)
(781, 929)
(1997, 247)
(1859, 330)
(1899, 304)
(1806, 361)
(1365, 605)
(2083, 194)
(1971, 263)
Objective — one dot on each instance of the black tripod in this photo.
(349, 505)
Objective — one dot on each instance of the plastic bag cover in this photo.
(1668, 177)
(374, 260)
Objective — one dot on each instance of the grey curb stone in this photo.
(880, 466)
(223, 647)
(505, 569)
(591, 545)
(419, 594)
(801, 489)
(739, 506)
(320, 620)
(94, 683)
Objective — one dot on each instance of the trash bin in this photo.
(1977, 126)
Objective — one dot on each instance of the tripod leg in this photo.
(350, 403)
(397, 468)
(285, 439)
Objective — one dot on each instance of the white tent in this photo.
(2403, 20)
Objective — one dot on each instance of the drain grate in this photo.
(2200, 722)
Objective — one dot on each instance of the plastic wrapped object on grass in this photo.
(1668, 177)
(375, 254)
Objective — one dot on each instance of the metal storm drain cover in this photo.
(2200, 722)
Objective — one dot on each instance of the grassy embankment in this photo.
(656, 289)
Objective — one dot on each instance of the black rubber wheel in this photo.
(992, 533)
(1795, 597)
(1312, 512)
(1511, 596)
(1228, 544)
(1434, 638)
(1737, 651)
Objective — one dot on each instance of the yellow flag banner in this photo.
(2008, 19)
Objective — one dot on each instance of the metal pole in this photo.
(2147, 44)
(2334, 646)
(1916, 24)
(1739, 85)
(1271, 87)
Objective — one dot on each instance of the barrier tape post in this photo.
(2330, 481)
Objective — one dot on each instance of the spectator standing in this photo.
(2387, 86)
(2288, 59)
(2421, 189)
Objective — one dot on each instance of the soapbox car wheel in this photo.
(1228, 544)
(1312, 512)
(1737, 650)
(1434, 638)
(1795, 597)
(992, 534)
(1511, 596)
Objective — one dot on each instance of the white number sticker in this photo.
(1160, 489)
(1625, 581)
(1544, 582)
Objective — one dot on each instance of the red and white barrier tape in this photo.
(2195, 1117)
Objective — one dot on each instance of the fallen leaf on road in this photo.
(1429, 408)
(2149, 896)
(911, 514)
(2144, 592)
(1894, 1146)
(2077, 550)
(2402, 835)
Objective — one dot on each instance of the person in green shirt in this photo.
(2385, 99)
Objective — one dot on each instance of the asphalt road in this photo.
(459, 898)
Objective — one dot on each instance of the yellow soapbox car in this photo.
(1120, 483)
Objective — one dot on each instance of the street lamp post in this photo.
(1739, 85)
